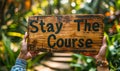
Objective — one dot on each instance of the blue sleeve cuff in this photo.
(21, 62)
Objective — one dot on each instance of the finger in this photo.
(25, 36)
(102, 51)
(28, 55)
(24, 43)
(34, 53)
(104, 41)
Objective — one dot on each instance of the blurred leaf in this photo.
(15, 34)
(9, 54)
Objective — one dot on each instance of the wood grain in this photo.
(38, 40)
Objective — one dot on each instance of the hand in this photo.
(102, 52)
(100, 57)
(24, 53)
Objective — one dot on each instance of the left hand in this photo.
(24, 53)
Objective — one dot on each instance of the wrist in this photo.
(101, 63)
(21, 62)
(22, 56)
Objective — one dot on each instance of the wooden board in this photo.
(66, 33)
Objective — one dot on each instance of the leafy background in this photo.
(13, 24)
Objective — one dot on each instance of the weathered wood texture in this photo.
(69, 33)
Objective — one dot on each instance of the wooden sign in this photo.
(66, 33)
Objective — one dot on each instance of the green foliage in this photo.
(83, 63)
(35, 61)
(11, 31)
(113, 55)
(13, 24)
(113, 37)
(9, 54)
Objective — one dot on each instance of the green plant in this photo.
(113, 53)
(83, 63)
(13, 24)
(9, 55)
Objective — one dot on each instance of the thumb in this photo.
(104, 41)
(28, 56)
